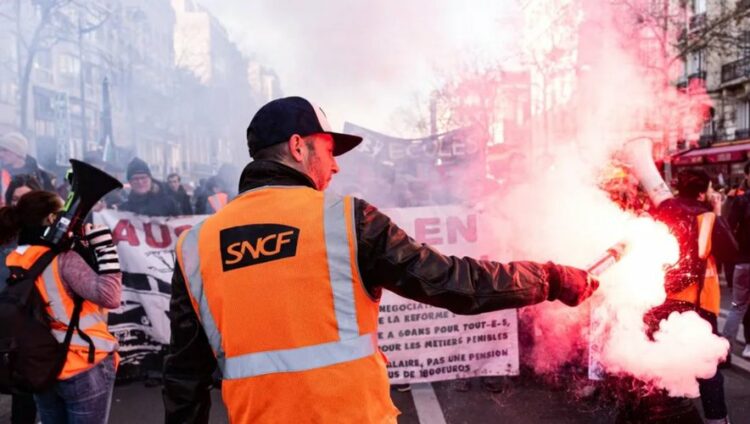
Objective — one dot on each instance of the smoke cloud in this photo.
(359, 60)
(599, 85)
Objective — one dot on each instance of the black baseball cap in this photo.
(279, 119)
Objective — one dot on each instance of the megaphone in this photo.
(638, 155)
(88, 186)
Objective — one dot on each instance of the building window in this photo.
(699, 6)
(743, 115)
(68, 64)
(744, 44)
(695, 63)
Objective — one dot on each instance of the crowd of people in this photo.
(301, 157)
(144, 194)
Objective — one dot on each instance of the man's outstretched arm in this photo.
(388, 258)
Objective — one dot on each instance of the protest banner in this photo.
(423, 343)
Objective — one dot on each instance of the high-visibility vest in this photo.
(92, 321)
(274, 280)
(218, 201)
(710, 294)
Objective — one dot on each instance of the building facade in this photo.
(181, 105)
(723, 146)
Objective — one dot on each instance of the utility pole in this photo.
(82, 87)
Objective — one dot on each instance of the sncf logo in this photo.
(256, 244)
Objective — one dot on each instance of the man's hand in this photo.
(570, 285)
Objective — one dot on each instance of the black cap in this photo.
(280, 119)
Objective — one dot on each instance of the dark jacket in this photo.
(738, 217)
(181, 198)
(156, 202)
(30, 167)
(681, 216)
(388, 259)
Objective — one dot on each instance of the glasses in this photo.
(139, 178)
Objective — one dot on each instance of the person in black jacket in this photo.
(738, 215)
(147, 196)
(178, 193)
(15, 160)
(291, 145)
(691, 284)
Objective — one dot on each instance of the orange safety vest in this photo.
(710, 294)
(218, 201)
(274, 280)
(92, 321)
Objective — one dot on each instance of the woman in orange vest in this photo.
(83, 391)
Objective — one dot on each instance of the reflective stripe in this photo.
(76, 340)
(90, 320)
(54, 296)
(191, 265)
(61, 315)
(351, 345)
(300, 359)
(339, 266)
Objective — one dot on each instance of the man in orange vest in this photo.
(218, 198)
(280, 288)
(692, 284)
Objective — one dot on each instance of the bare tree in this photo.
(39, 26)
(677, 32)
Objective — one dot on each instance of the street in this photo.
(523, 400)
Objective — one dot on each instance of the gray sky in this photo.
(361, 60)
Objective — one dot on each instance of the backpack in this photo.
(31, 358)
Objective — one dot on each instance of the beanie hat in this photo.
(16, 143)
(137, 166)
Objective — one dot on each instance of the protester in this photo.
(15, 160)
(200, 197)
(147, 196)
(692, 284)
(297, 311)
(218, 197)
(738, 215)
(23, 408)
(178, 193)
(20, 185)
(83, 389)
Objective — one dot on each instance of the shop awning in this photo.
(717, 154)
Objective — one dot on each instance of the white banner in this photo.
(146, 248)
(422, 343)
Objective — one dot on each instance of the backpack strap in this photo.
(73, 326)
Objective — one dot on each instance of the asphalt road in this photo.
(524, 399)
